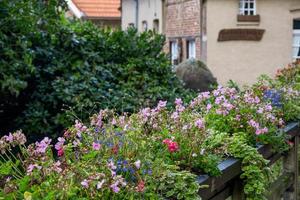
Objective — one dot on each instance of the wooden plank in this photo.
(230, 168)
(277, 188)
(224, 194)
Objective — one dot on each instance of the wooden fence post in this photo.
(290, 165)
(238, 190)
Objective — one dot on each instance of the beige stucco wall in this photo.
(128, 13)
(244, 61)
(149, 10)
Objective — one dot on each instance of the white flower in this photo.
(137, 164)
(100, 184)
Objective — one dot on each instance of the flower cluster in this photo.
(124, 156)
(172, 146)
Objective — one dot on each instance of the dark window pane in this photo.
(296, 24)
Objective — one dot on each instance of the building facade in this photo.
(183, 29)
(246, 38)
(143, 14)
(178, 20)
(104, 13)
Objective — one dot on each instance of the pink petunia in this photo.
(96, 146)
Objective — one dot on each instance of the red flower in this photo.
(172, 146)
(115, 149)
(141, 186)
(60, 152)
(167, 141)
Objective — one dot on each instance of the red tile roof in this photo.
(99, 8)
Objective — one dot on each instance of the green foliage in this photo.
(254, 166)
(49, 65)
(175, 184)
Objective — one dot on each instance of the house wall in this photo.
(113, 24)
(149, 10)
(128, 13)
(182, 22)
(244, 61)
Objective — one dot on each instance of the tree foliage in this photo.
(50, 65)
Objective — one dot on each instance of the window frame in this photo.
(247, 11)
(156, 25)
(296, 33)
(174, 49)
(144, 25)
(188, 48)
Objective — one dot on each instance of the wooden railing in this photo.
(230, 186)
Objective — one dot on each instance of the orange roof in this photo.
(99, 8)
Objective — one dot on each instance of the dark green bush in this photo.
(52, 69)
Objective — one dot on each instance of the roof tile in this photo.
(99, 8)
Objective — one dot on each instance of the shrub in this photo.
(52, 65)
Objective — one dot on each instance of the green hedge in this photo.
(50, 65)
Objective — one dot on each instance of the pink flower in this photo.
(80, 128)
(85, 183)
(115, 187)
(31, 167)
(43, 145)
(60, 143)
(260, 111)
(161, 105)
(111, 165)
(208, 107)
(238, 117)
(253, 123)
(167, 141)
(9, 138)
(205, 95)
(56, 167)
(178, 101)
(96, 146)
(180, 108)
(268, 107)
(199, 123)
(146, 112)
(141, 186)
(113, 121)
(175, 115)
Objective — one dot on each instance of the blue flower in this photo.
(274, 96)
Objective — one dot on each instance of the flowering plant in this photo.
(154, 154)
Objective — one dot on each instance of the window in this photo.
(144, 26)
(247, 7)
(296, 40)
(191, 49)
(296, 45)
(156, 25)
(174, 52)
(131, 25)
